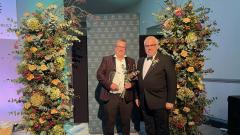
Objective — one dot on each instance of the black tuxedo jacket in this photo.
(105, 74)
(159, 84)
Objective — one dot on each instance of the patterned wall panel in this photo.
(102, 34)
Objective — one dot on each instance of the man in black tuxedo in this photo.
(157, 88)
(111, 75)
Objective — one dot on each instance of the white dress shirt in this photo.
(119, 76)
(146, 65)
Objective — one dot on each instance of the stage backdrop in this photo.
(8, 62)
(103, 31)
(7, 12)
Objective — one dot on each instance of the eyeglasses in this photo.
(120, 46)
(151, 45)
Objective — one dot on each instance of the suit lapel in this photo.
(114, 63)
(127, 63)
(153, 66)
(141, 67)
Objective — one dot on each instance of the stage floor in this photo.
(82, 129)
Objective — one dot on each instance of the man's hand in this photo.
(114, 87)
(127, 85)
(137, 101)
(169, 106)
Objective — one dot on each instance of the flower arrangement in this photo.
(187, 33)
(46, 35)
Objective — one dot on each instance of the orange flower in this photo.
(56, 81)
(62, 113)
(43, 67)
(54, 111)
(169, 24)
(186, 20)
(62, 95)
(184, 53)
(187, 27)
(33, 49)
(190, 69)
(32, 67)
(28, 38)
(42, 120)
(30, 77)
(62, 52)
(32, 116)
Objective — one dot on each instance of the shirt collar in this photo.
(116, 56)
(153, 57)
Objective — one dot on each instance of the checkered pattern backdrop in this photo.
(103, 31)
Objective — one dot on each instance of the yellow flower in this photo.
(184, 53)
(30, 77)
(33, 24)
(191, 37)
(190, 69)
(32, 67)
(52, 6)
(37, 99)
(42, 120)
(56, 81)
(17, 33)
(185, 93)
(26, 14)
(43, 67)
(39, 5)
(27, 105)
(186, 20)
(54, 111)
(200, 86)
(53, 17)
(60, 61)
(33, 49)
(186, 109)
(58, 130)
(55, 93)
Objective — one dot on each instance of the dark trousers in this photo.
(111, 108)
(156, 121)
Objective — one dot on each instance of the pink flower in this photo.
(179, 12)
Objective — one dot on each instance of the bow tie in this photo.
(149, 58)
